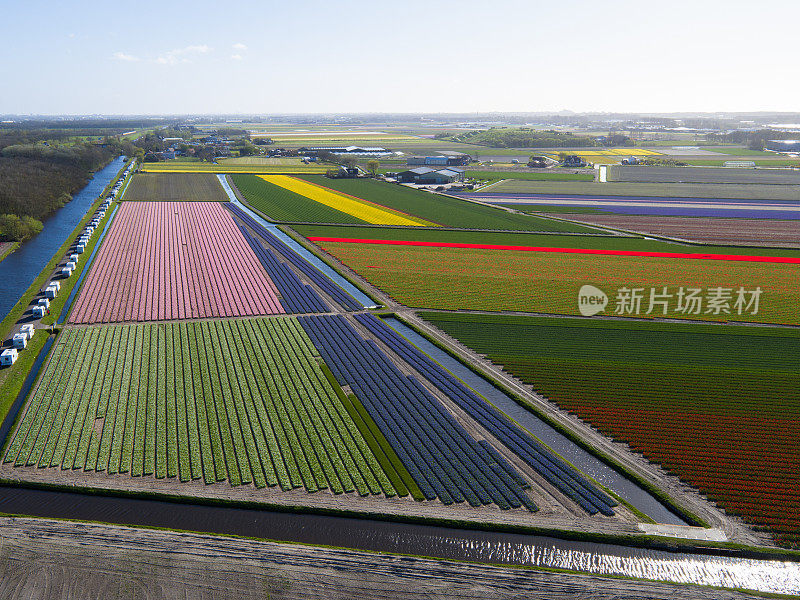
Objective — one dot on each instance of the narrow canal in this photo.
(19, 269)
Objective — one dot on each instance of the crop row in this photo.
(330, 288)
(716, 406)
(296, 297)
(544, 461)
(174, 260)
(548, 282)
(444, 460)
(237, 400)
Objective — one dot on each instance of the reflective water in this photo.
(19, 269)
(327, 270)
(579, 457)
(424, 540)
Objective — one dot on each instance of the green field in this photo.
(285, 206)
(443, 210)
(242, 401)
(718, 406)
(440, 234)
(677, 190)
(174, 187)
(594, 240)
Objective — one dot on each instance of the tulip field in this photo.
(353, 209)
(174, 260)
(456, 276)
(242, 401)
(719, 406)
(230, 167)
(446, 211)
(280, 204)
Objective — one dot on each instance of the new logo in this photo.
(591, 300)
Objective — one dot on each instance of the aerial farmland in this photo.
(265, 334)
(419, 301)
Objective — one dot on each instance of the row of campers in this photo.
(19, 341)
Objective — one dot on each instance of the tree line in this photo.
(37, 179)
(524, 137)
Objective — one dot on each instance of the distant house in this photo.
(537, 162)
(426, 175)
(574, 160)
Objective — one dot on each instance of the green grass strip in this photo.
(369, 436)
(398, 465)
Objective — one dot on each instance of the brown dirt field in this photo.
(175, 187)
(756, 232)
(50, 560)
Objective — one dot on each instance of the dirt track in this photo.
(50, 560)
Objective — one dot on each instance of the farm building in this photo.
(428, 161)
(8, 357)
(426, 175)
(574, 161)
(539, 162)
(442, 161)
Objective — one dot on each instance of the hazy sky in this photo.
(436, 55)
